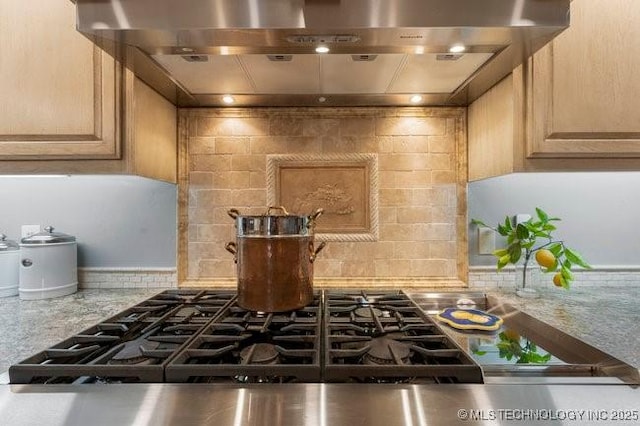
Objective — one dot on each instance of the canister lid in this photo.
(48, 237)
(7, 245)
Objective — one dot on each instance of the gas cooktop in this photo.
(359, 336)
(204, 336)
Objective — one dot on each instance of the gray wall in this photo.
(599, 211)
(119, 221)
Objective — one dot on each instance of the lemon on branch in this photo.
(545, 258)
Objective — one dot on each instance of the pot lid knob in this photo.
(49, 229)
(7, 245)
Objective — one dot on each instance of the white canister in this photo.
(48, 265)
(9, 267)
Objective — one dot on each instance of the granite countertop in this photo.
(605, 317)
(29, 326)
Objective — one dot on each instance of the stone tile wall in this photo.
(421, 177)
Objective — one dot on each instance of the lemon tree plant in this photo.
(534, 238)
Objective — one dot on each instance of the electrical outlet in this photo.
(486, 240)
(28, 230)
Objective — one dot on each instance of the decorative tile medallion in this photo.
(345, 186)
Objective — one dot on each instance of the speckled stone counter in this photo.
(607, 318)
(29, 326)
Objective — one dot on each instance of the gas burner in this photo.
(187, 311)
(369, 312)
(385, 350)
(132, 352)
(259, 353)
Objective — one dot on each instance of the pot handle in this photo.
(233, 249)
(234, 213)
(286, 213)
(314, 253)
(314, 216)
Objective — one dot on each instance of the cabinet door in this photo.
(585, 86)
(59, 94)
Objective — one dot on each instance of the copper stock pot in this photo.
(274, 256)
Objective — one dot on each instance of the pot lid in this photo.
(7, 245)
(48, 237)
(268, 225)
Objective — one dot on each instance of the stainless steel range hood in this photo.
(381, 51)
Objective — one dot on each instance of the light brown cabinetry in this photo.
(574, 106)
(60, 94)
(66, 106)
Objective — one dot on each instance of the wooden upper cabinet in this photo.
(585, 85)
(59, 94)
(575, 105)
(494, 123)
(63, 100)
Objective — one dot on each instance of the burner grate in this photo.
(242, 346)
(373, 338)
(132, 346)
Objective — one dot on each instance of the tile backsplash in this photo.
(421, 187)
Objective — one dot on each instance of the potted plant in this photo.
(534, 238)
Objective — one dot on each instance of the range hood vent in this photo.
(364, 58)
(280, 58)
(316, 39)
(195, 58)
(448, 56)
(264, 52)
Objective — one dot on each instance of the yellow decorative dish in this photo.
(470, 319)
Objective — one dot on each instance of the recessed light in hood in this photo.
(457, 48)
(411, 41)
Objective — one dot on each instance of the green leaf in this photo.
(507, 223)
(542, 234)
(542, 215)
(566, 274)
(574, 257)
(549, 227)
(500, 252)
(480, 353)
(522, 232)
(503, 345)
(503, 231)
(528, 245)
(533, 226)
(503, 261)
(512, 238)
(556, 249)
(515, 251)
(536, 358)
